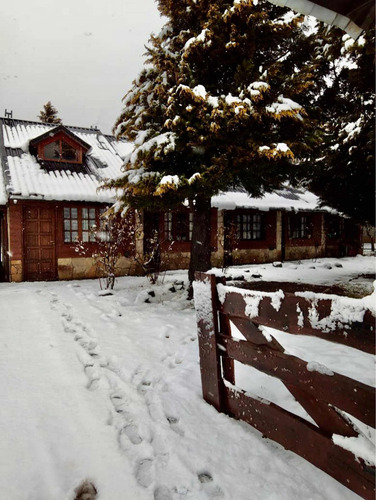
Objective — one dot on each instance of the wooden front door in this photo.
(39, 244)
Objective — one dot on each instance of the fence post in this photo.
(205, 296)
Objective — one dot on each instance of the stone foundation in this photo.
(16, 270)
(300, 253)
(175, 260)
(85, 268)
(255, 256)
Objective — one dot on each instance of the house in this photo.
(49, 198)
(284, 225)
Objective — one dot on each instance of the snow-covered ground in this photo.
(107, 387)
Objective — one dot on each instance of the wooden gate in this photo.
(39, 243)
(323, 394)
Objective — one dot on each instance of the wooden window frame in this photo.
(60, 138)
(250, 227)
(300, 227)
(334, 227)
(173, 224)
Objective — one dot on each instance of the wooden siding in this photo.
(226, 249)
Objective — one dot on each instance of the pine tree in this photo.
(49, 114)
(344, 172)
(217, 106)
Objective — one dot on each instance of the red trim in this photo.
(58, 138)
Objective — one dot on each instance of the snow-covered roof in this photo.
(3, 194)
(25, 177)
(288, 198)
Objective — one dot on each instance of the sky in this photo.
(82, 55)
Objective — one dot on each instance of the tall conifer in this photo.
(49, 114)
(344, 170)
(217, 106)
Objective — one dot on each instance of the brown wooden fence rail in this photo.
(322, 394)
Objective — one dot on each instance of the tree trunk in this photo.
(201, 237)
(370, 233)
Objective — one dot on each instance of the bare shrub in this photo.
(113, 239)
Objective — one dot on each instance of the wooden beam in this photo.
(304, 439)
(293, 317)
(207, 324)
(349, 395)
(325, 415)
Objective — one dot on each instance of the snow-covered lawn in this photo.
(107, 387)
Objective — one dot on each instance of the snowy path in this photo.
(108, 388)
(52, 436)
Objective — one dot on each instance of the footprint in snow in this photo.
(173, 421)
(162, 493)
(53, 302)
(111, 367)
(67, 316)
(119, 402)
(144, 472)
(205, 477)
(68, 328)
(93, 384)
(91, 371)
(211, 489)
(167, 331)
(189, 339)
(131, 432)
(178, 359)
(144, 386)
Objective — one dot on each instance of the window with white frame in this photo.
(249, 227)
(89, 223)
(81, 224)
(70, 225)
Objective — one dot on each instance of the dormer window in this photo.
(60, 151)
(59, 145)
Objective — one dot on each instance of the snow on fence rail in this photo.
(324, 395)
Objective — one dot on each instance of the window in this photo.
(178, 226)
(60, 150)
(300, 227)
(168, 226)
(88, 224)
(334, 227)
(80, 224)
(249, 227)
(105, 225)
(70, 224)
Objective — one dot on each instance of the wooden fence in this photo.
(323, 394)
